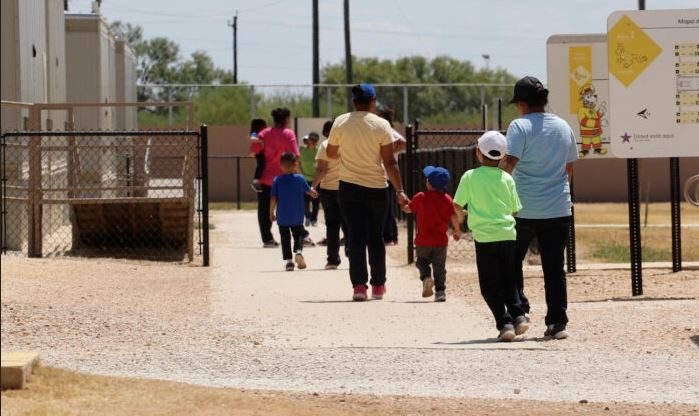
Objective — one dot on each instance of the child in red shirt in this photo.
(433, 210)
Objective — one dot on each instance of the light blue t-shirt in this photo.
(544, 144)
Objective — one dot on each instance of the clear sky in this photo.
(274, 36)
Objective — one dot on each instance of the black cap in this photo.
(527, 88)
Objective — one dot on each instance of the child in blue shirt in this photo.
(288, 208)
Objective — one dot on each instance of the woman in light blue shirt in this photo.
(541, 150)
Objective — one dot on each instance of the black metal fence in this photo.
(129, 194)
(454, 150)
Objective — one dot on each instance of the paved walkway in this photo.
(404, 344)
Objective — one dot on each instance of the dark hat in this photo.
(363, 92)
(438, 177)
(527, 88)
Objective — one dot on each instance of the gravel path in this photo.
(246, 323)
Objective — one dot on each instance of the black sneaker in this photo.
(521, 324)
(556, 331)
(331, 266)
(507, 333)
(270, 244)
(289, 266)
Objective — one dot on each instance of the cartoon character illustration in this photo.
(590, 115)
(626, 59)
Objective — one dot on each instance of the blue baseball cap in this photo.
(438, 177)
(363, 92)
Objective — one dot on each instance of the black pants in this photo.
(390, 228)
(263, 201)
(364, 210)
(285, 233)
(552, 234)
(259, 165)
(312, 205)
(497, 278)
(436, 257)
(333, 223)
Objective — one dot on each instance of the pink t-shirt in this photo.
(277, 141)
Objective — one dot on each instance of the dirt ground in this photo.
(60, 392)
(246, 324)
(604, 315)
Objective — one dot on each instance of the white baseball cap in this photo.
(493, 145)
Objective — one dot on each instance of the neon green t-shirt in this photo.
(492, 199)
(308, 162)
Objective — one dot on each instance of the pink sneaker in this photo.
(359, 293)
(377, 292)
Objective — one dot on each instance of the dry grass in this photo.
(611, 245)
(618, 213)
(60, 392)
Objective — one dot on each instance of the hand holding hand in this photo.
(402, 198)
(313, 193)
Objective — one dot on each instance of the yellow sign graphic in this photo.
(580, 70)
(630, 50)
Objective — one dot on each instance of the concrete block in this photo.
(16, 368)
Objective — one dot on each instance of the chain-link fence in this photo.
(451, 149)
(463, 104)
(454, 150)
(114, 194)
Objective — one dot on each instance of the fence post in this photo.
(237, 179)
(499, 114)
(406, 117)
(675, 214)
(634, 228)
(169, 107)
(3, 196)
(571, 258)
(482, 88)
(205, 192)
(484, 116)
(329, 101)
(409, 138)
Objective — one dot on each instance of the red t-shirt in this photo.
(433, 211)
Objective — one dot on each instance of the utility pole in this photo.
(348, 55)
(234, 26)
(316, 61)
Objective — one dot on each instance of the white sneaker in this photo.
(300, 261)
(427, 285)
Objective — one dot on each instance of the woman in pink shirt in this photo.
(277, 139)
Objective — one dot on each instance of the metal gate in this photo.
(136, 194)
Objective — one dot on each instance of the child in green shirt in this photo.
(308, 169)
(491, 198)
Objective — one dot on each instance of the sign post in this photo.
(654, 94)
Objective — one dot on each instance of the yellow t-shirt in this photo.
(331, 180)
(360, 135)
